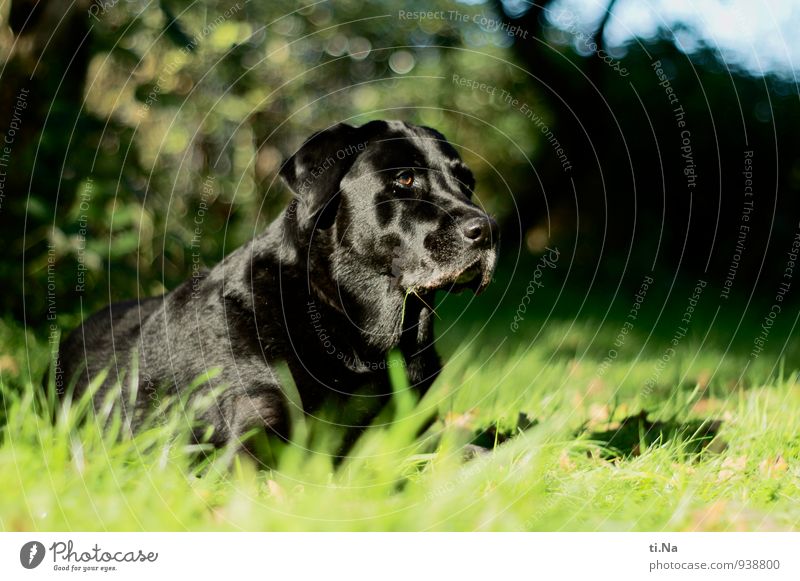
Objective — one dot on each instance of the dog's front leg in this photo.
(249, 419)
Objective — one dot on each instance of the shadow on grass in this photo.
(634, 434)
(626, 438)
(492, 436)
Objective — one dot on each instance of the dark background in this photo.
(132, 121)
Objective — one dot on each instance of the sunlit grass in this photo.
(87, 471)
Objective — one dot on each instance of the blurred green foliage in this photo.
(193, 108)
(153, 134)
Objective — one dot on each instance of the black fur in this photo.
(326, 288)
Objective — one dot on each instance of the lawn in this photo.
(585, 433)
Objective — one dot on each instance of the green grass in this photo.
(565, 472)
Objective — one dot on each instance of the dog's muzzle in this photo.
(480, 235)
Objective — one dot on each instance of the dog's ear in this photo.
(314, 173)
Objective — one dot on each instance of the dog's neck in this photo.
(360, 331)
(368, 306)
(368, 318)
(372, 313)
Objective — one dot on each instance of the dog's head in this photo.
(394, 201)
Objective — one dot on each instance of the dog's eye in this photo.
(405, 178)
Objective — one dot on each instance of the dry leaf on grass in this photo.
(732, 466)
(707, 406)
(465, 420)
(8, 365)
(599, 412)
(773, 467)
(276, 491)
(596, 386)
(565, 463)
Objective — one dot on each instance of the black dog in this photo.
(382, 219)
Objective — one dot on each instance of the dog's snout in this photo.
(481, 230)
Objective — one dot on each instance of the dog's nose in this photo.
(481, 230)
